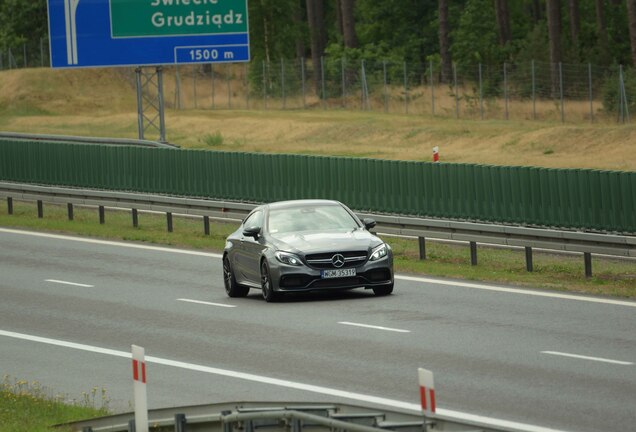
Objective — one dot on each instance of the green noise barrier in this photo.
(565, 198)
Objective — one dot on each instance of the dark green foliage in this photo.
(612, 93)
(23, 27)
(387, 30)
(618, 33)
(22, 21)
(275, 28)
(407, 29)
(475, 40)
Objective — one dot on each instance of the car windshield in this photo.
(310, 218)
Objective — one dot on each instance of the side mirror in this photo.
(368, 223)
(252, 231)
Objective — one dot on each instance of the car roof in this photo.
(301, 203)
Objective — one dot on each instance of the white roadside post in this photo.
(427, 391)
(139, 377)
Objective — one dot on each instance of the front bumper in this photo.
(286, 278)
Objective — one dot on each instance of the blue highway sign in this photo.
(101, 33)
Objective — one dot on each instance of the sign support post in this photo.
(150, 106)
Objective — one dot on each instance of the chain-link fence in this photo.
(529, 91)
(28, 54)
(534, 91)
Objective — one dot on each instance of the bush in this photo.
(612, 91)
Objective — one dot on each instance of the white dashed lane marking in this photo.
(582, 357)
(69, 283)
(374, 327)
(206, 303)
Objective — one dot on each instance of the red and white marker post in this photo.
(427, 391)
(436, 154)
(141, 399)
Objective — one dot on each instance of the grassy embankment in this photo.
(102, 103)
(27, 406)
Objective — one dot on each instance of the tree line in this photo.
(461, 32)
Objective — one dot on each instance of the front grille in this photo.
(338, 283)
(323, 260)
(301, 282)
(378, 275)
(295, 281)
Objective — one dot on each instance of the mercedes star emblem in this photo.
(337, 260)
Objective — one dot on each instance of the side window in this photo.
(255, 219)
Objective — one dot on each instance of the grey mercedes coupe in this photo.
(305, 245)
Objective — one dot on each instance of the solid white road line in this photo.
(110, 243)
(398, 277)
(598, 359)
(374, 327)
(68, 283)
(206, 303)
(517, 291)
(283, 383)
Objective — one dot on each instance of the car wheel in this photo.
(383, 290)
(266, 284)
(231, 287)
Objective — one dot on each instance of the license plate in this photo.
(338, 273)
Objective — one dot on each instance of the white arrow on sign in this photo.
(70, 9)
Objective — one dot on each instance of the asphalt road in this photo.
(70, 310)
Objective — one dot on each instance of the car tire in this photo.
(232, 288)
(266, 284)
(383, 290)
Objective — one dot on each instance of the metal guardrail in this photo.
(284, 417)
(85, 140)
(473, 233)
(506, 235)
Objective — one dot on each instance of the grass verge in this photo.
(101, 103)
(27, 406)
(612, 277)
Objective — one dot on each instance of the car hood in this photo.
(307, 242)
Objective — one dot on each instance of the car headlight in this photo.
(287, 258)
(379, 252)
